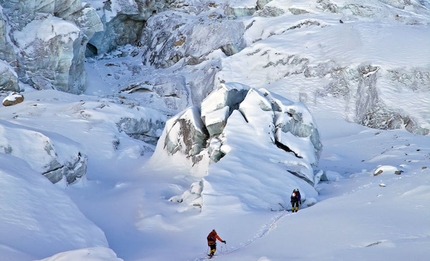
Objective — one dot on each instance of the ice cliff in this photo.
(44, 42)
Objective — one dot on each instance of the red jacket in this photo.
(212, 237)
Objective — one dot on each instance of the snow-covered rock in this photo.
(46, 153)
(13, 99)
(237, 121)
(387, 169)
(38, 217)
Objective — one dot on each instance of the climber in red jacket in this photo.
(212, 237)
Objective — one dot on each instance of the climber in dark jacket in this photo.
(295, 200)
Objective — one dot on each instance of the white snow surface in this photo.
(121, 209)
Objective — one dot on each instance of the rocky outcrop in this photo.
(13, 99)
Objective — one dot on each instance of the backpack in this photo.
(211, 237)
(294, 196)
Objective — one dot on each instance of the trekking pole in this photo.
(226, 248)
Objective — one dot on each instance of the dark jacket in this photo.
(295, 196)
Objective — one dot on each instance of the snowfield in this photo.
(372, 203)
(358, 215)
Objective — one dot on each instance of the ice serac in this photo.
(217, 107)
(185, 134)
(8, 78)
(145, 129)
(7, 52)
(236, 129)
(171, 36)
(49, 154)
(48, 45)
(123, 22)
(45, 41)
(240, 8)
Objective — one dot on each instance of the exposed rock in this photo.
(387, 169)
(13, 99)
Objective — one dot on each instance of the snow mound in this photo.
(39, 219)
(50, 154)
